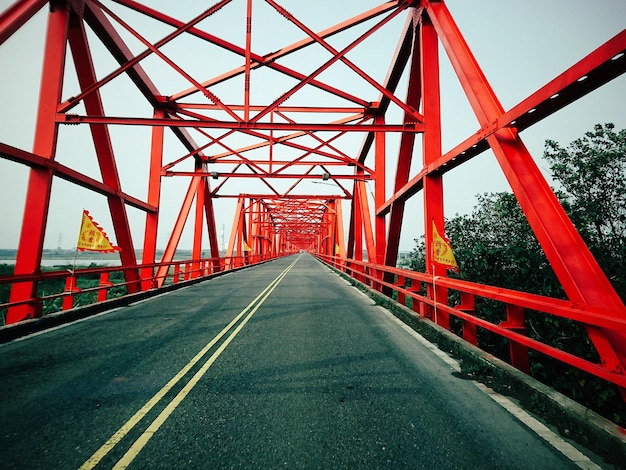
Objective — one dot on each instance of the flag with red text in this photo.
(442, 250)
(92, 237)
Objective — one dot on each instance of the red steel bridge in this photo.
(250, 129)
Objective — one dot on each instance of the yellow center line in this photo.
(137, 417)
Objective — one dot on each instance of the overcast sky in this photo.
(519, 45)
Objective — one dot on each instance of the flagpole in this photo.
(75, 256)
(73, 277)
(434, 293)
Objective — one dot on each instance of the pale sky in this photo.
(519, 45)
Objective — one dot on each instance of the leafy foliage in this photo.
(5, 289)
(592, 171)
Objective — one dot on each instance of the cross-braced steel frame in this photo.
(280, 144)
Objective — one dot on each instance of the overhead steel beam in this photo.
(68, 174)
(14, 17)
(214, 124)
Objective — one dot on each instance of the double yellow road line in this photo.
(139, 444)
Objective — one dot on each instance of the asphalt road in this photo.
(311, 374)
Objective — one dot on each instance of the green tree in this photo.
(592, 172)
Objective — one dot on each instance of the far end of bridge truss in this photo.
(271, 102)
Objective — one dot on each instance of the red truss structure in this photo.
(312, 110)
(265, 225)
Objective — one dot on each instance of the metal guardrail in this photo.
(429, 297)
(74, 280)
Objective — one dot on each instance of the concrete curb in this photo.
(571, 419)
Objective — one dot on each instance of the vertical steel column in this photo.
(246, 87)
(247, 238)
(328, 229)
(242, 231)
(234, 233)
(380, 191)
(154, 199)
(255, 225)
(357, 222)
(265, 233)
(280, 242)
(332, 226)
(209, 213)
(366, 217)
(433, 183)
(351, 247)
(39, 188)
(196, 252)
(339, 230)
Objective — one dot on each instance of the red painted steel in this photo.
(14, 17)
(513, 301)
(77, 39)
(40, 180)
(276, 143)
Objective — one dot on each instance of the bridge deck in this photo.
(312, 374)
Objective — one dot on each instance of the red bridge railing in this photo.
(430, 298)
(67, 284)
(442, 300)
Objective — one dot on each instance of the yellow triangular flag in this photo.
(246, 247)
(92, 237)
(442, 250)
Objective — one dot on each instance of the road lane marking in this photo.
(58, 327)
(450, 361)
(172, 405)
(137, 417)
(556, 441)
(362, 294)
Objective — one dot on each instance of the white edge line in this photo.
(580, 459)
(364, 295)
(556, 441)
(450, 361)
(58, 327)
(344, 280)
(147, 299)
